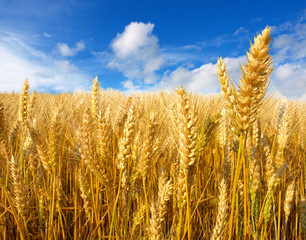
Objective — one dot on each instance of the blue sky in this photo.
(61, 46)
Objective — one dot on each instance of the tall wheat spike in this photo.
(253, 85)
(187, 153)
(222, 211)
(86, 150)
(20, 193)
(94, 98)
(254, 82)
(24, 97)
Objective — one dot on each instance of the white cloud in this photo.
(67, 51)
(65, 66)
(130, 88)
(17, 43)
(203, 79)
(136, 53)
(240, 30)
(10, 68)
(290, 79)
(290, 45)
(19, 61)
(289, 58)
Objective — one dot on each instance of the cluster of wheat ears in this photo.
(164, 165)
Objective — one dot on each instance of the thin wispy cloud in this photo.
(192, 47)
(19, 61)
(240, 30)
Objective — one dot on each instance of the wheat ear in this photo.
(19, 189)
(24, 97)
(254, 82)
(289, 199)
(222, 210)
(94, 98)
(85, 193)
(227, 89)
(86, 150)
(154, 231)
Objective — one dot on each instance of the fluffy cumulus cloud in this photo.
(66, 51)
(290, 79)
(136, 53)
(289, 58)
(19, 61)
(203, 79)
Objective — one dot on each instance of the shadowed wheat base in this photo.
(164, 165)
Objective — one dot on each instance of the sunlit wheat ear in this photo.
(86, 150)
(24, 98)
(31, 102)
(14, 132)
(284, 130)
(85, 193)
(125, 153)
(269, 199)
(273, 182)
(269, 165)
(41, 197)
(164, 193)
(222, 210)
(121, 116)
(148, 146)
(211, 126)
(222, 130)
(154, 231)
(254, 82)
(3, 124)
(104, 135)
(94, 98)
(53, 139)
(60, 194)
(227, 89)
(256, 133)
(20, 194)
(125, 143)
(139, 217)
(187, 140)
(288, 204)
(43, 157)
(255, 178)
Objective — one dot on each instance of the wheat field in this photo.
(155, 165)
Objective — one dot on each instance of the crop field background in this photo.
(162, 165)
